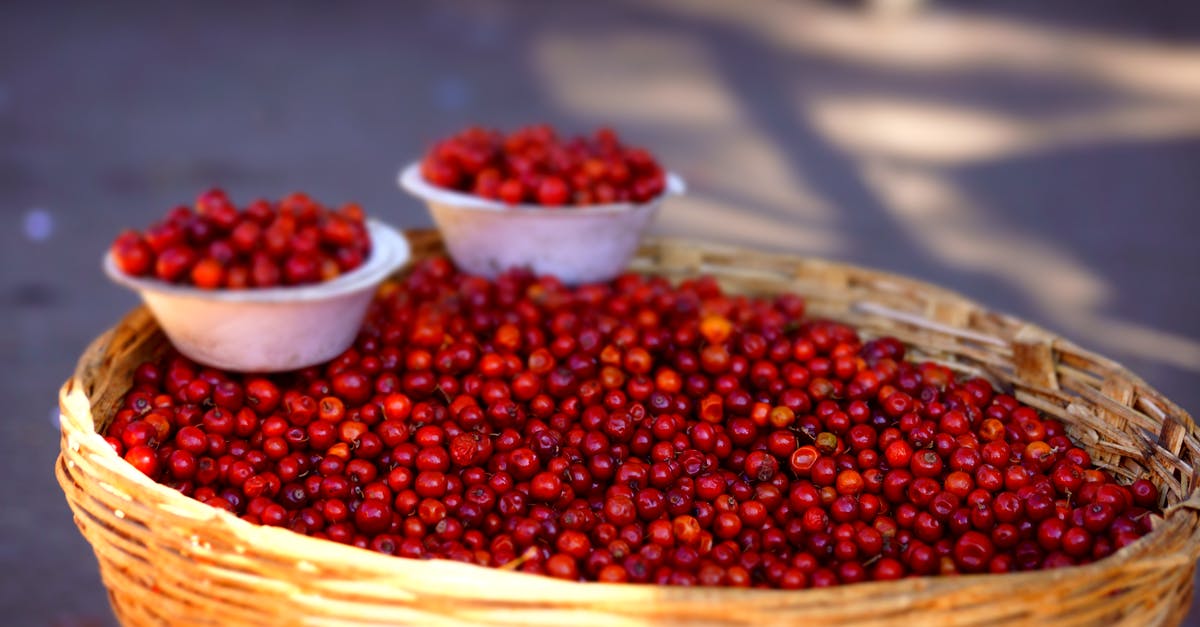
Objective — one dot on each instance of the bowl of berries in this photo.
(574, 207)
(270, 287)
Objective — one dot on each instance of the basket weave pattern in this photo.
(168, 559)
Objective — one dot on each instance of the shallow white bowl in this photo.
(576, 244)
(270, 329)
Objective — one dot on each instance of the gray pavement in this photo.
(1043, 160)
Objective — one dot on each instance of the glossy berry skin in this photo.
(535, 165)
(145, 459)
(553, 191)
(634, 431)
(294, 242)
(973, 552)
(132, 254)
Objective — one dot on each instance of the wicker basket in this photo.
(168, 559)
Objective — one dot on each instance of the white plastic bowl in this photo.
(270, 329)
(576, 244)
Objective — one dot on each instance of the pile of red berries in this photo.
(293, 242)
(632, 431)
(535, 165)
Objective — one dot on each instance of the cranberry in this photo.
(926, 464)
(535, 164)
(132, 254)
(1145, 494)
(221, 247)
(144, 459)
(973, 552)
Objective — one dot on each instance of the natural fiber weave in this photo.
(168, 559)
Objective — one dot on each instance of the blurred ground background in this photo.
(1043, 158)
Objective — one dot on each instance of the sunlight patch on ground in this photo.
(935, 41)
(951, 225)
(944, 133)
(748, 165)
(644, 77)
(705, 220)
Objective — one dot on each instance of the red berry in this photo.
(1145, 494)
(373, 516)
(132, 254)
(926, 463)
(208, 274)
(511, 191)
(262, 246)
(144, 459)
(441, 173)
(552, 192)
(973, 552)
(174, 263)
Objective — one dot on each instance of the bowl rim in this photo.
(390, 250)
(410, 180)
